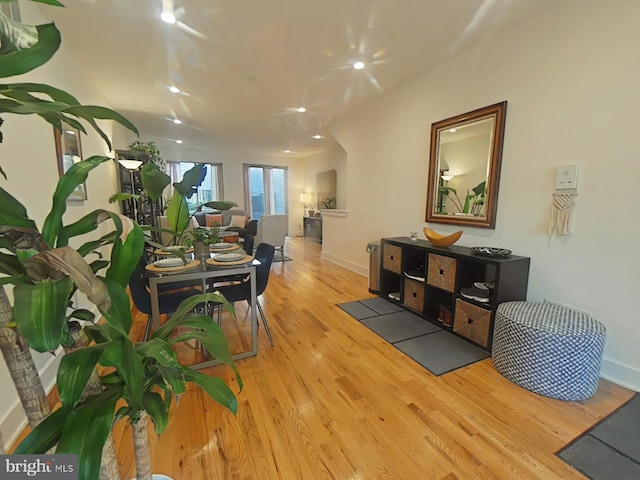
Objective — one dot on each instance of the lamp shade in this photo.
(130, 164)
(305, 198)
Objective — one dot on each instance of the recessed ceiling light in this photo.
(452, 130)
(179, 142)
(358, 65)
(301, 109)
(317, 137)
(287, 151)
(177, 121)
(167, 17)
(174, 89)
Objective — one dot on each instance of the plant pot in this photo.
(200, 249)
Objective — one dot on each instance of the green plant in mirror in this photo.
(473, 202)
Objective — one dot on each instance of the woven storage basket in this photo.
(413, 295)
(472, 322)
(392, 258)
(441, 272)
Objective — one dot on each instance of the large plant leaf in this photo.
(129, 365)
(125, 256)
(46, 435)
(215, 388)
(40, 312)
(212, 345)
(160, 350)
(211, 337)
(221, 205)
(119, 314)
(172, 378)
(94, 245)
(54, 93)
(89, 112)
(479, 189)
(154, 180)
(13, 213)
(155, 406)
(76, 175)
(75, 370)
(185, 307)
(85, 432)
(86, 224)
(19, 54)
(191, 180)
(10, 265)
(178, 213)
(68, 261)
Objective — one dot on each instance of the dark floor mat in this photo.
(599, 461)
(621, 430)
(357, 310)
(381, 306)
(611, 449)
(397, 326)
(441, 352)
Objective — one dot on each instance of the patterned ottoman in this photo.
(548, 349)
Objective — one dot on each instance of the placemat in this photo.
(215, 263)
(235, 246)
(167, 252)
(153, 268)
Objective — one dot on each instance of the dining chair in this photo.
(168, 300)
(242, 291)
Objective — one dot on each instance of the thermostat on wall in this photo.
(567, 177)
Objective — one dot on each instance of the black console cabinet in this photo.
(313, 228)
(435, 294)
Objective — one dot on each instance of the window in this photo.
(265, 190)
(211, 188)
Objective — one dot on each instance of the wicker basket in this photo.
(441, 272)
(472, 322)
(392, 258)
(413, 295)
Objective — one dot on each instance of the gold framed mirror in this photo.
(464, 167)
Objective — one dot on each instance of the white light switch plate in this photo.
(567, 177)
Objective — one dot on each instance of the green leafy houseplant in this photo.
(46, 271)
(474, 200)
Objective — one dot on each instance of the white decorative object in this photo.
(562, 213)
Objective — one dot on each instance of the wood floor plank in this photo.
(332, 400)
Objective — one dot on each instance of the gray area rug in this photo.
(436, 349)
(277, 257)
(611, 449)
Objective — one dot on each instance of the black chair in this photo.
(168, 300)
(242, 291)
(247, 245)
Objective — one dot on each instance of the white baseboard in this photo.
(345, 263)
(621, 374)
(15, 419)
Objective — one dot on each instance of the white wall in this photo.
(334, 158)
(571, 78)
(28, 157)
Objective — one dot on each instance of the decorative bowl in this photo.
(438, 240)
(491, 251)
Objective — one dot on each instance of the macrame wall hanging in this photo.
(562, 212)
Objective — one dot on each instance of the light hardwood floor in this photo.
(332, 400)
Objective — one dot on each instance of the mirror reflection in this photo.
(465, 166)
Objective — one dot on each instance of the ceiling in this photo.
(256, 61)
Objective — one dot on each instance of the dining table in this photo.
(208, 269)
